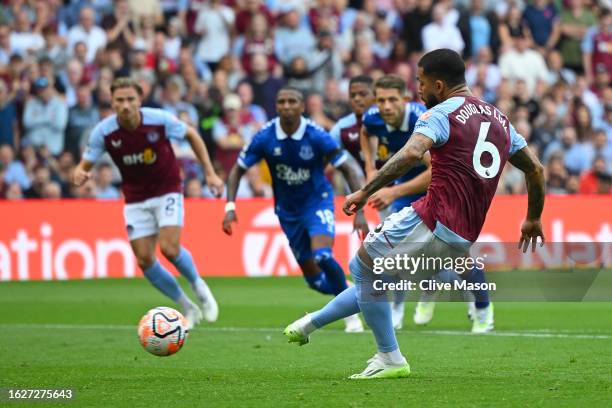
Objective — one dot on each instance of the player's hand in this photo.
(215, 184)
(530, 231)
(354, 202)
(80, 176)
(230, 217)
(382, 198)
(360, 224)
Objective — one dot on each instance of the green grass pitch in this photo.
(82, 335)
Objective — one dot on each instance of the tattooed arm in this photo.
(529, 164)
(402, 161)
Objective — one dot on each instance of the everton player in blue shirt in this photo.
(297, 151)
(386, 128)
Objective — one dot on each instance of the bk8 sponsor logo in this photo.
(147, 156)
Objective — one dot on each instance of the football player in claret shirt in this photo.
(297, 152)
(138, 141)
(386, 128)
(470, 142)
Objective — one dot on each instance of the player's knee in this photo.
(359, 270)
(170, 250)
(145, 261)
(321, 255)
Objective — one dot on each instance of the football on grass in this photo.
(162, 331)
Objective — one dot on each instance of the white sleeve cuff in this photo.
(340, 160)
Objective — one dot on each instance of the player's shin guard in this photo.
(333, 271)
(163, 281)
(185, 265)
(481, 296)
(376, 311)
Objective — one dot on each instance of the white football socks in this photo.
(395, 357)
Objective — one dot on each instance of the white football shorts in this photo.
(405, 234)
(145, 218)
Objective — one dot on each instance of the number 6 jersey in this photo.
(472, 143)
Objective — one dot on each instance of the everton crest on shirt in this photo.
(297, 163)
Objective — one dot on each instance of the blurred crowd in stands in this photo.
(217, 64)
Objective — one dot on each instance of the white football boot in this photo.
(483, 320)
(193, 314)
(296, 331)
(423, 313)
(210, 309)
(380, 367)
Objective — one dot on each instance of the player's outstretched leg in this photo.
(484, 316)
(343, 305)
(185, 265)
(337, 283)
(320, 283)
(385, 364)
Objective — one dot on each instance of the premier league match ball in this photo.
(162, 331)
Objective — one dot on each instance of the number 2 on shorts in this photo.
(170, 206)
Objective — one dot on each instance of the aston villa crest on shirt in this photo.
(306, 152)
(152, 137)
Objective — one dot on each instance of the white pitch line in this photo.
(546, 334)
(521, 334)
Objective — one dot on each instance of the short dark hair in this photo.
(292, 89)
(445, 65)
(361, 79)
(391, 82)
(125, 82)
